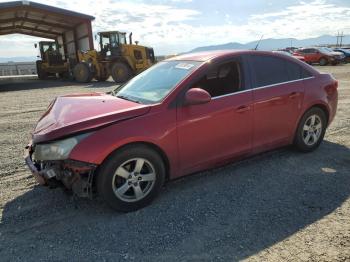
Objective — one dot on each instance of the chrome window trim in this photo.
(262, 87)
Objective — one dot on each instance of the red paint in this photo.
(192, 137)
(197, 96)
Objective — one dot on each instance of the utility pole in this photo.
(337, 39)
(341, 38)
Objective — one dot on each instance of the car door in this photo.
(220, 129)
(278, 95)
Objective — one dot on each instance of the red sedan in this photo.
(183, 115)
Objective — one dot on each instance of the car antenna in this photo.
(257, 45)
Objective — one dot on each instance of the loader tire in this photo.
(82, 73)
(41, 74)
(121, 72)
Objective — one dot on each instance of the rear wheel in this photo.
(311, 130)
(121, 72)
(82, 73)
(323, 61)
(131, 178)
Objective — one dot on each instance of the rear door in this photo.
(278, 95)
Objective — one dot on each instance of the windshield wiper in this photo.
(129, 99)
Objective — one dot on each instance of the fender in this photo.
(99, 145)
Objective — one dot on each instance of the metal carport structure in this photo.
(72, 30)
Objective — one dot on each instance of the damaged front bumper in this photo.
(74, 175)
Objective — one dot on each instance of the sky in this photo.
(174, 26)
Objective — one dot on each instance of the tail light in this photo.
(330, 89)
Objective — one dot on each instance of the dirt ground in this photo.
(278, 206)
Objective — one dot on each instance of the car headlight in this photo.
(57, 150)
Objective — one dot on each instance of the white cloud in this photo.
(171, 29)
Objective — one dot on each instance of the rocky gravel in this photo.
(278, 206)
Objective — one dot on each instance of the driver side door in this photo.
(221, 129)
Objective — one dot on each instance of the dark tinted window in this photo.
(222, 79)
(305, 73)
(269, 70)
(294, 71)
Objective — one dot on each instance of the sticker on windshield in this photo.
(185, 66)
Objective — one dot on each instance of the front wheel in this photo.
(121, 72)
(131, 178)
(311, 130)
(82, 73)
(323, 61)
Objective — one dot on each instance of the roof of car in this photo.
(205, 56)
(217, 54)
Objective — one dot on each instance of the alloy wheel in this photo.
(312, 130)
(133, 180)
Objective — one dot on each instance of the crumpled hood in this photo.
(71, 114)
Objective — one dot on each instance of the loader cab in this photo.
(50, 53)
(110, 43)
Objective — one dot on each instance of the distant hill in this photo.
(271, 43)
(18, 59)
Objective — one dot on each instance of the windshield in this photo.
(154, 84)
(326, 49)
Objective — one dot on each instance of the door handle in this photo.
(294, 95)
(242, 109)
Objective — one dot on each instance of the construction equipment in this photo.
(52, 62)
(116, 58)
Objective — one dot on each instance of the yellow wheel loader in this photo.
(51, 61)
(117, 58)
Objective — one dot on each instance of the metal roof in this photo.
(30, 18)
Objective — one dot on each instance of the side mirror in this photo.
(197, 96)
(35, 45)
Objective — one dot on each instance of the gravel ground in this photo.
(281, 205)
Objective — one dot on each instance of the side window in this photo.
(294, 71)
(222, 79)
(269, 70)
(313, 51)
(305, 73)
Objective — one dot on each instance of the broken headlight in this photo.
(57, 150)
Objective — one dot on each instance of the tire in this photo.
(42, 75)
(82, 73)
(309, 134)
(323, 61)
(119, 188)
(121, 72)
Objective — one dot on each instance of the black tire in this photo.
(121, 72)
(82, 73)
(41, 74)
(301, 135)
(107, 179)
(323, 61)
